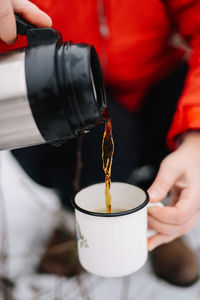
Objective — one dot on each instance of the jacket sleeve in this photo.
(185, 14)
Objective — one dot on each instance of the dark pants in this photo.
(139, 141)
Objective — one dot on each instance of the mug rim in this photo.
(116, 214)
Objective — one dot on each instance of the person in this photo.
(137, 56)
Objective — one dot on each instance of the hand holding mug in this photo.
(179, 174)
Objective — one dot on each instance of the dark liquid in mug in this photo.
(113, 210)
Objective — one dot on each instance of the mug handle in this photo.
(151, 232)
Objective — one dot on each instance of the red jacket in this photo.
(132, 39)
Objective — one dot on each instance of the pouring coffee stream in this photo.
(107, 158)
(52, 91)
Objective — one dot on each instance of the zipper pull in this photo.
(103, 24)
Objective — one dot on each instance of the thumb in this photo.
(168, 173)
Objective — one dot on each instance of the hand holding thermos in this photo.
(51, 90)
(27, 10)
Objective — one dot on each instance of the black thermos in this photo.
(50, 91)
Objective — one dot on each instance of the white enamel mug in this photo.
(112, 245)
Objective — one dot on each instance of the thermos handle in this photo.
(36, 35)
(22, 25)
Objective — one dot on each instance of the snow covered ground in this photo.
(28, 215)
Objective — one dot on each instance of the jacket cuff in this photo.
(185, 119)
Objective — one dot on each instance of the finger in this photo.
(7, 22)
(185, 208)
(167, 214)
(167, 175)
(171, 215)
(172, 230)
(31, 13)
(159, 239)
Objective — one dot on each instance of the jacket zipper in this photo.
(103, 24)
